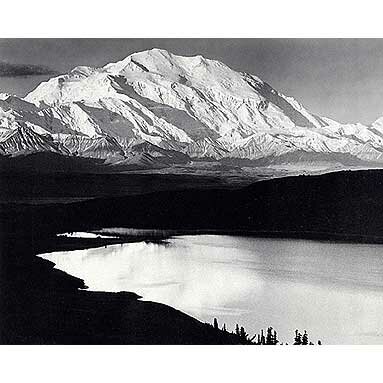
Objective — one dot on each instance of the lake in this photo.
(332, 290)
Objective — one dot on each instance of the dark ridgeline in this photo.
(345, 205)
(42, 305)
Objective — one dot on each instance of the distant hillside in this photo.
(348, 204)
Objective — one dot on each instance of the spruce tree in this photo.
(262, 337)
(275, 340)
(298, 338)
(243, 335)
(305, 339)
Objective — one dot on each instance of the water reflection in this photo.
(332, 290)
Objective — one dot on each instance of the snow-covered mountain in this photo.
(175, 108)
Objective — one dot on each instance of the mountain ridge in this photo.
(192, 105)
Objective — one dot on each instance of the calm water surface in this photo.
(333, 290)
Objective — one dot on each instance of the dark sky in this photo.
(337, 78)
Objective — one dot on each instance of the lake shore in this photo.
(44, 305)
(344, 207)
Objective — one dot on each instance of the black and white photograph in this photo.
(174, 196)
(191, 191)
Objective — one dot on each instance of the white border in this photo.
(211, 364)
(193, 18)
(196, 18)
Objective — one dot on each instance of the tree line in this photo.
(268, 337)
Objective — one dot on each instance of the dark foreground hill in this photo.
(43, 305)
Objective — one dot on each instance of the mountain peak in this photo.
(193, 105)
(150, 54)
(161, 61)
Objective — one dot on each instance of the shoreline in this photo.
(57, 242)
